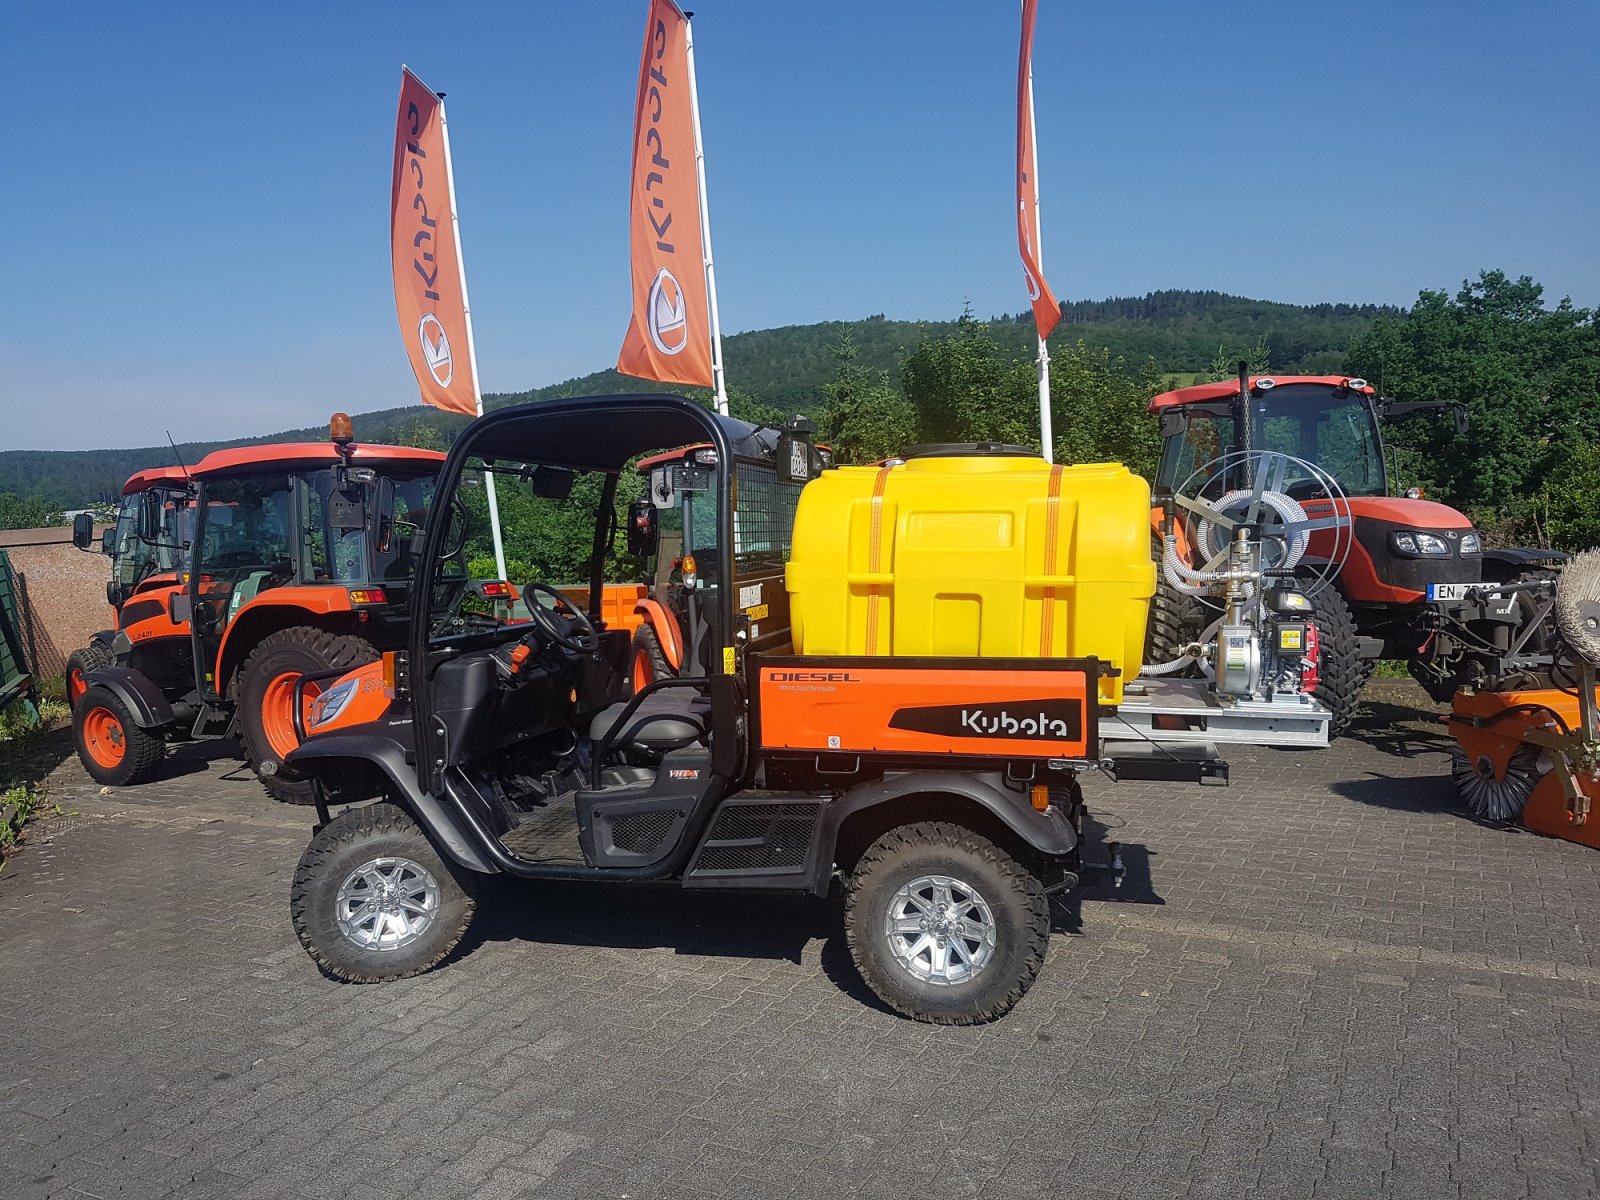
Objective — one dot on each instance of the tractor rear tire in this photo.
(372, 900)
(648, 659)
(945, 926)
(79, 663)
(266, 694)
(111, 745)
(1341, 671)
(1176, 620)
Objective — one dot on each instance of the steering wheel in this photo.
(563, 622)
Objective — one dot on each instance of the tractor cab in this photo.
(674, 529)
(142, 563)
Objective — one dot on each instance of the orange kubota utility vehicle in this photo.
(294, 558)
(1369, 580)
(957, 641)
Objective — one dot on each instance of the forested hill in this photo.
(785, 368)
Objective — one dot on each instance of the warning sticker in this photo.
(750, 595)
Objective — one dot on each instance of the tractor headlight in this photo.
(1413, 543)
(1471, 543)
(331, 703)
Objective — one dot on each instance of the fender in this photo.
(142, 698)
(327, 756)
(659, 617)
(313, 601)
(1050, 833)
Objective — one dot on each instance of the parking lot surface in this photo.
(1326, 980)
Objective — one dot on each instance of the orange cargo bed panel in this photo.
(978, 707)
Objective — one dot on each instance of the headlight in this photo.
(331, 703)
(1471, 543)
(1415, 544)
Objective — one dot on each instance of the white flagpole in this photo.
(705, 224)
(472, 349)
(1045, 432)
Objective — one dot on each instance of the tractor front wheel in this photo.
(266, 699)
(79, 663)
(111, 745)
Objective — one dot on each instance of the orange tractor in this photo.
(265, 564)
(143, 573)
(1302, 457)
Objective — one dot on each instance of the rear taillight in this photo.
(368, 596)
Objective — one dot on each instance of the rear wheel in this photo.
(79, 663)
(372, 900)
(266, 699)
(1176, 620)
(1341, 671)
(944, 925)
(111, 746)
(649, 660)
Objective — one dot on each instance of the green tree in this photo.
(1225, 364)
(1097, 409)
(17, 512)
(864, 418)
(965, 388)
(1529, 376)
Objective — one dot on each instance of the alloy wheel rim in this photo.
(940, 930)
(387, 903)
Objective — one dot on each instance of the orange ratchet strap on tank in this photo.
(1052, 525)
(875, 558)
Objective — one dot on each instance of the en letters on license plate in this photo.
(1450, 591)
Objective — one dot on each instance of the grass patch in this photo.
(27, 753)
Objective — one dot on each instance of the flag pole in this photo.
(717, 373)
(1045, 431)
(472, 349)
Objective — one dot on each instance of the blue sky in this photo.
(195, 195)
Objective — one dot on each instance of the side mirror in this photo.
(642, 530)
(1460, 413)
(149, 527)
(795, 451)
(108, 540)
(83, 530)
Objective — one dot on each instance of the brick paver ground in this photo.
(1323, 981)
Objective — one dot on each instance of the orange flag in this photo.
(669, 335)
(430, 293)
(1046, 309)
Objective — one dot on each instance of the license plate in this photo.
(1450, 591)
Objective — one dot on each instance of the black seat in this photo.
(666, 720)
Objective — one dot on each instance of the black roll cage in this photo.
(585, 434)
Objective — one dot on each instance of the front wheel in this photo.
(111, 745)
(372, 900)
(944, 925)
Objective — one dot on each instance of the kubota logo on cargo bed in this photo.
(1053, 719)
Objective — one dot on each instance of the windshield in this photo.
(1333, 430)
(133, 558)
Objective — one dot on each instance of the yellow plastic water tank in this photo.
(969, 555)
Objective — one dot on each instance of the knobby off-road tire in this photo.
(1000, 917)
(111, 746)
(648, 660)
(266, 691)
(1341, 671)
(79, 663)
(372, 900)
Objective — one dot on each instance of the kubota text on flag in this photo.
(669, 335)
